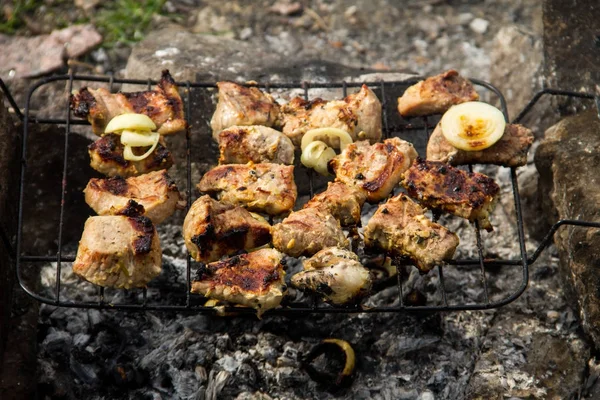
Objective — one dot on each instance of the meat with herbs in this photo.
(340, 200)
(241, 144)
(336, 274)
(399, 227)
(435, 95)
(242, 105)
(254, 280)
(510, 151)
(155, 192)
(163, 105)
(265, 187)
(118, 252)
(212, 229)
(376, 169)
(439, 186)
(307, 231)
(106, 155)
(359, 114)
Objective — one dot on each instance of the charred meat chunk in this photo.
(439, 186)
(340, 200)
(259, 144)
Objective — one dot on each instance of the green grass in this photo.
(10, 24)
(125, 21)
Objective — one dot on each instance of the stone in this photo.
(38, 55)
(568, 161)
(479, 25)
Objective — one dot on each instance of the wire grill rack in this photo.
(194, 303)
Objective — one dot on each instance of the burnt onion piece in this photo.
(331, 348)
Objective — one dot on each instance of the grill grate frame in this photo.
(523, 262)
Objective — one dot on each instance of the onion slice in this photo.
(473, 126)
(132, 121)
(316, 156)
(138, 138)
(333, 137)
(128, 152)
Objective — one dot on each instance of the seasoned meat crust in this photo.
(435, 95)
(340, 200)
(118, 252)
(439, 186)
(106, 155)
(212, 230)
(163, 105)
(241, 144)
(400, 228)
(255, 280)
(241, 105)
(375, 169)
(336, 274)
(510, 151)
(307, 231)
(358, 112)
(155, 192)
(265, 187)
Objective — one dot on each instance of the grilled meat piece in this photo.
(509, 151)
(255, 280)
(336, 274)
(307, 231)
(435, 95)
(212, 229)
(155, 192)
(241, 105)
(268, 188)
(358, 112)
(340, 200)
(118, 252)
(241, 144)
(376, 168)
(439, 186)
(106, 156)
(400, 228)
(163, 105)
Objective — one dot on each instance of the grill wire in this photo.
(193, 302)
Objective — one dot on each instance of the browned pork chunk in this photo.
(358, 112)
(268, 188)
(342, 201)
(118, 252)
(307, 231)
(212, 230)
(439, 186)
(255, 280)
(435, 95)
(336, 274)
(241, 144)
(241, 105)
(510, 151)
(163, 105)
(375, 169)
(400, 228)
(155, 192)
(106, 156)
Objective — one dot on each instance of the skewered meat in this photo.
(255, 280)
(307, 231)
(155, 192)
(106, 156)
(342, 201)
(435, 95)
(509, 151)
(163, 105)
(336, 274)
(439, 186)
(268, 188)
(118, 252)
(212, 229)
(241, 105)
(399, 227)
(358, 112)
(241, 144)
(376, 168)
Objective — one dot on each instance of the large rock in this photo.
(569, 162)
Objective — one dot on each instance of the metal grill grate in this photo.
(403, 129)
